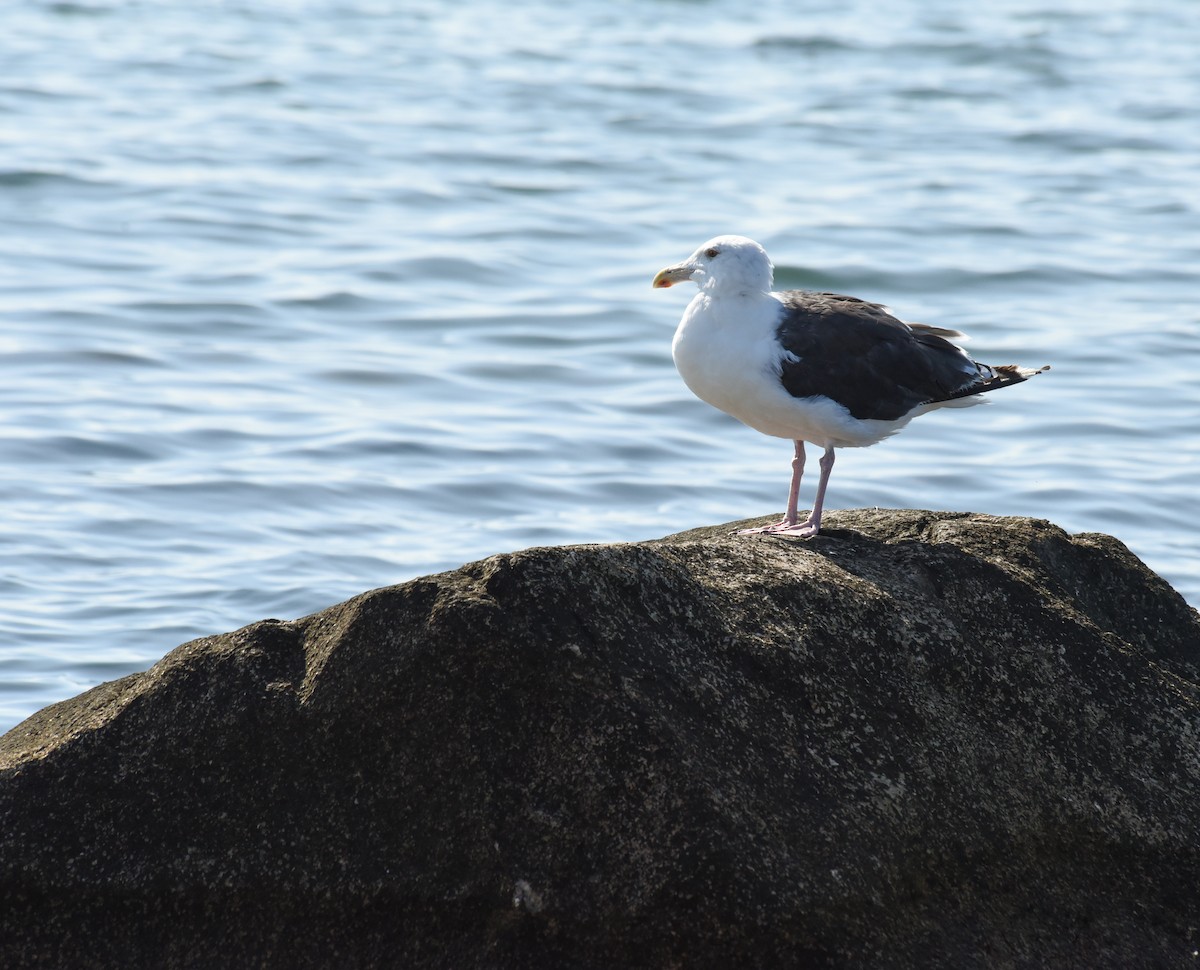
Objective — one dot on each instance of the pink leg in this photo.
(813, 525)
(789, 526)
(789, 518)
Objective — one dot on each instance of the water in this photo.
(301, 299)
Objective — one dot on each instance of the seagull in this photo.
(836, 371)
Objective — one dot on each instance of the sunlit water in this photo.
(301, 299)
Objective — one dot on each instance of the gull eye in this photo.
(712, 253)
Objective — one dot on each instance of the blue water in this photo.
(301, 299)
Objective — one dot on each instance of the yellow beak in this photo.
(679, 273)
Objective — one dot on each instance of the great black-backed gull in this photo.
(833, 370)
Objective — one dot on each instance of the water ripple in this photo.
(296, 306)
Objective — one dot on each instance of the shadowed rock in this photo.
(920, 739)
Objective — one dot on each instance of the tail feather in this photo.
(994, 378)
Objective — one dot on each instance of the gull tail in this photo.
(994, 378)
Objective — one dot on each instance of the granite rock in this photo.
(920, 739)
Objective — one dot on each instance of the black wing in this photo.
(860, 356)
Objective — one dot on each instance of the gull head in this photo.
(723, 265)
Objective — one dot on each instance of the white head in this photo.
(726, 265)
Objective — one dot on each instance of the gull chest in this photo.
(729, 357)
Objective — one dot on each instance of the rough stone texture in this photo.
(921, 739)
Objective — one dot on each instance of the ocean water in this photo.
(305, 298)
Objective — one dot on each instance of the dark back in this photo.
(860, 356)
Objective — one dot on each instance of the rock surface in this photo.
(920, 739)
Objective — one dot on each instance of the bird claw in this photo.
(804, 530)
(760, 530)
(801, 530)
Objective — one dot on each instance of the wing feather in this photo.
(859, 355)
